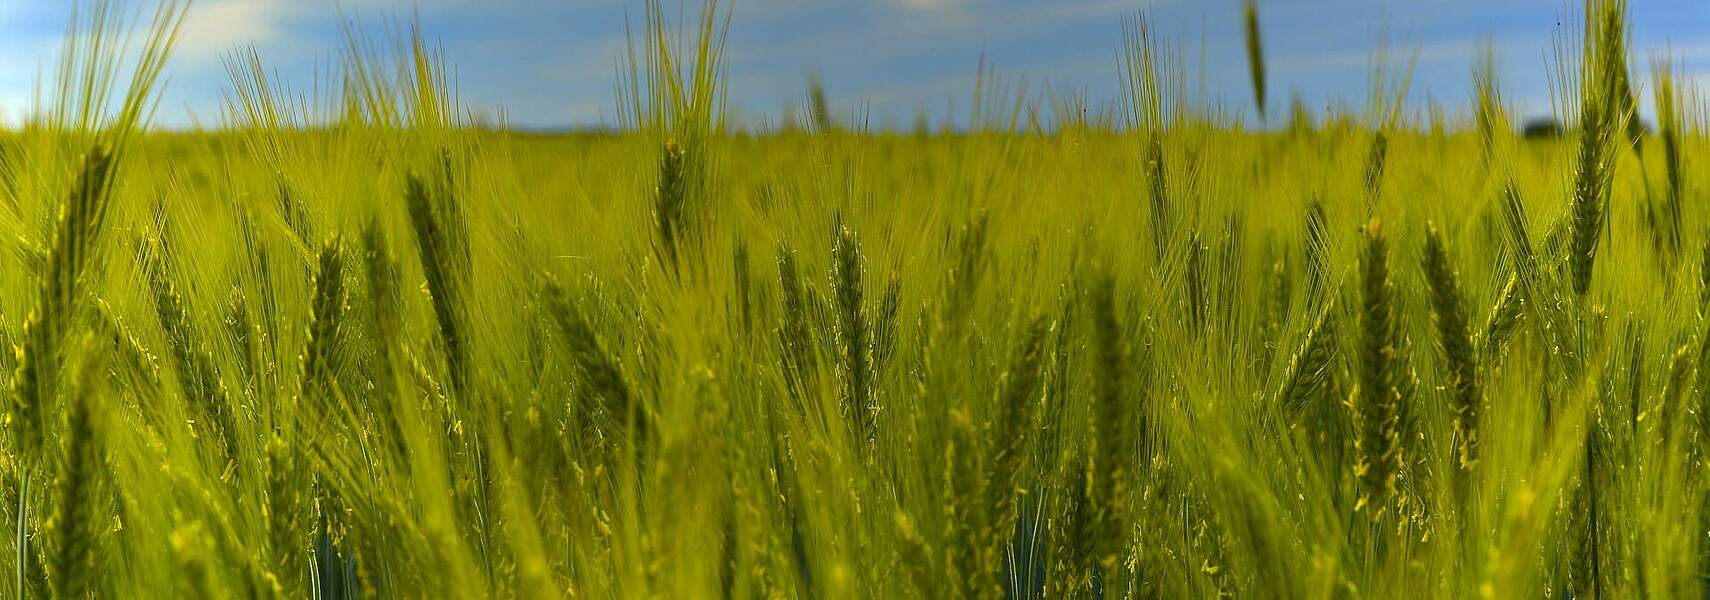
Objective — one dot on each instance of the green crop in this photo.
(361, 345)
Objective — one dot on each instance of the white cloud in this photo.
(961, 23)
(1693, 50)
(13, 106)
(590, 61)
(927, 4)
(216, 26)
(1698, 83)
(1398, 54)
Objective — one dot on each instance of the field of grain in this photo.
(356, 346)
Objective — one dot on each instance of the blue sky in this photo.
(550, 63)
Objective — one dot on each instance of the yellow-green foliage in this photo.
(358, 347)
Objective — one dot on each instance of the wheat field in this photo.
(365, 344)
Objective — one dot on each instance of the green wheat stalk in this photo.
(1447, 306)
(1255, 56)
(1379, 441)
